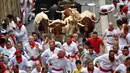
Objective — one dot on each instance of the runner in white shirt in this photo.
(26, 6)
(123, 1)
(105, 9)
(21, 33)
(38, 68)
(126, 13)
(11, 26)
(59, 62)
(125, 53)
(117, 52)
(10, 49)
(121, 35)
(122, 67)
(128, 4)
(110, 35)
(20, 60)
(49, 52)
(90, 68)
(128, 39)
(72, 50)
(106, 62)
(15, 69)
(33, 50)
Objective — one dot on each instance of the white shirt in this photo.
(23, 65)
(122, 58)
(125, 2)
(128, 5)
(121, 68)
(108, 7)
(25, 3)
(122, 38)
(104, 62)
(110, 35)
(10, 52)
(33, 51)
(71, 49)
(128, 38)
(57, 63)
(48, 53)
(35, 71)
(22, 34)
(11, 27)
(96, 70)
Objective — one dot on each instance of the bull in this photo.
(72, 24)
(89, 20)
(41, 22)
(56, 26)
(84, 22)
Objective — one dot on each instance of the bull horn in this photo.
(46, 11)
(96, 21)
(43, 8)
(81, 25)
(84, 4)
(60, 11)
(91, 4)
(62, 22)
(50, 20)
(33, 10)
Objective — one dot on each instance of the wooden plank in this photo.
(9, 7)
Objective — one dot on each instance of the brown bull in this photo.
(41, 24)
(89, 20)
(57, 30)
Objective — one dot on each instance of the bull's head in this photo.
(88, 26)
(43, 25)
(57, 27)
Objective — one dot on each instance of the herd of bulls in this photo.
(71, 22)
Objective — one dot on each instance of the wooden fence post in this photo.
(9, 7)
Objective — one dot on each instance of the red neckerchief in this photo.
(59, 57)
(110, 29)
(121, 12)
(116, 52)
(89, 71)
(115, 4)
(73, 39)
(3, 67)
(69, 43)
(10, 46)
(47, 41)
(91, 53)
(20, 26)
(125, 64)
(19, 60)
(32, 45)
(52, 50)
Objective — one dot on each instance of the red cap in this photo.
(125, 8)
(17, 51)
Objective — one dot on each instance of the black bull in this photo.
(52, 6)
